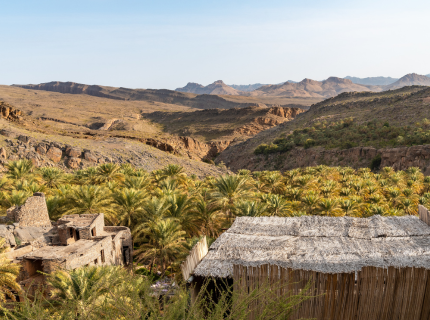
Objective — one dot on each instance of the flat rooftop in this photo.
(61, 252)
(77, 220)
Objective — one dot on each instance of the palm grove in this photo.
(168, 211)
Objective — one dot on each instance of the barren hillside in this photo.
(224, 125)
(117, 124)
(399, 107)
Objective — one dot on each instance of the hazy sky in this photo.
(165, 44)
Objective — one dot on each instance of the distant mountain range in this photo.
(218, 88)
(310, 88)
(250, 87)
(411, 79)
(373, 81)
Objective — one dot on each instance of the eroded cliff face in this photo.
(359, 157)
(257, 119)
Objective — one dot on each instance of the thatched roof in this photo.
(322, 244)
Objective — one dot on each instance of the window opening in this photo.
(102, 254)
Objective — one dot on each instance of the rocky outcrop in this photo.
(73, 152)
(54, 154)
(199, 150)
(89, 156)
(3, 153)
(10, 113)
(73, 163)
(48, 153)
(359, 157)
(285, 112)
(109, 124)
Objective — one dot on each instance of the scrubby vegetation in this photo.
(348, 133)
(115, 293)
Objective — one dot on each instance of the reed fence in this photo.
(424, 214)
(197, 253)
(370, 294)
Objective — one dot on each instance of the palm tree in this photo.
(15, 198)
(180, 210)
(4, 183)
(8, 274)
(82, 290)
(408, 205)
(250, 208)
(138, 183)
(329, 207)
(208, 217)
(21, 169)
(89, 199)
(155, 209)
(310, 201)
(87, 176)
(127, 169)
(350, 208)
(172, 171)
(162, 242)
(229, 188)
(272, 182)
(168, 187)
(52, 177)
(109, 172)
(55, 205)
(278, 206)
(129, 205)
(294, 194)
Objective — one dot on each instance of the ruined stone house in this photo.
(71, 242)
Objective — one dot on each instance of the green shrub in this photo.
(347, 134)
(376, 162)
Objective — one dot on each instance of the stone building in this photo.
(71, 242)
(33, 213)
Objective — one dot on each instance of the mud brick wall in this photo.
(122, 238)
(93, 253)
(98, 224)
(85, 233)
(23, 274)
(50, 266)
(33, 213)
(63, 234)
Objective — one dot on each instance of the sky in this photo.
(166, 44)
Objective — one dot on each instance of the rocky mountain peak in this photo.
(338, 80)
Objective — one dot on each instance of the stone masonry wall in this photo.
(33, 213)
